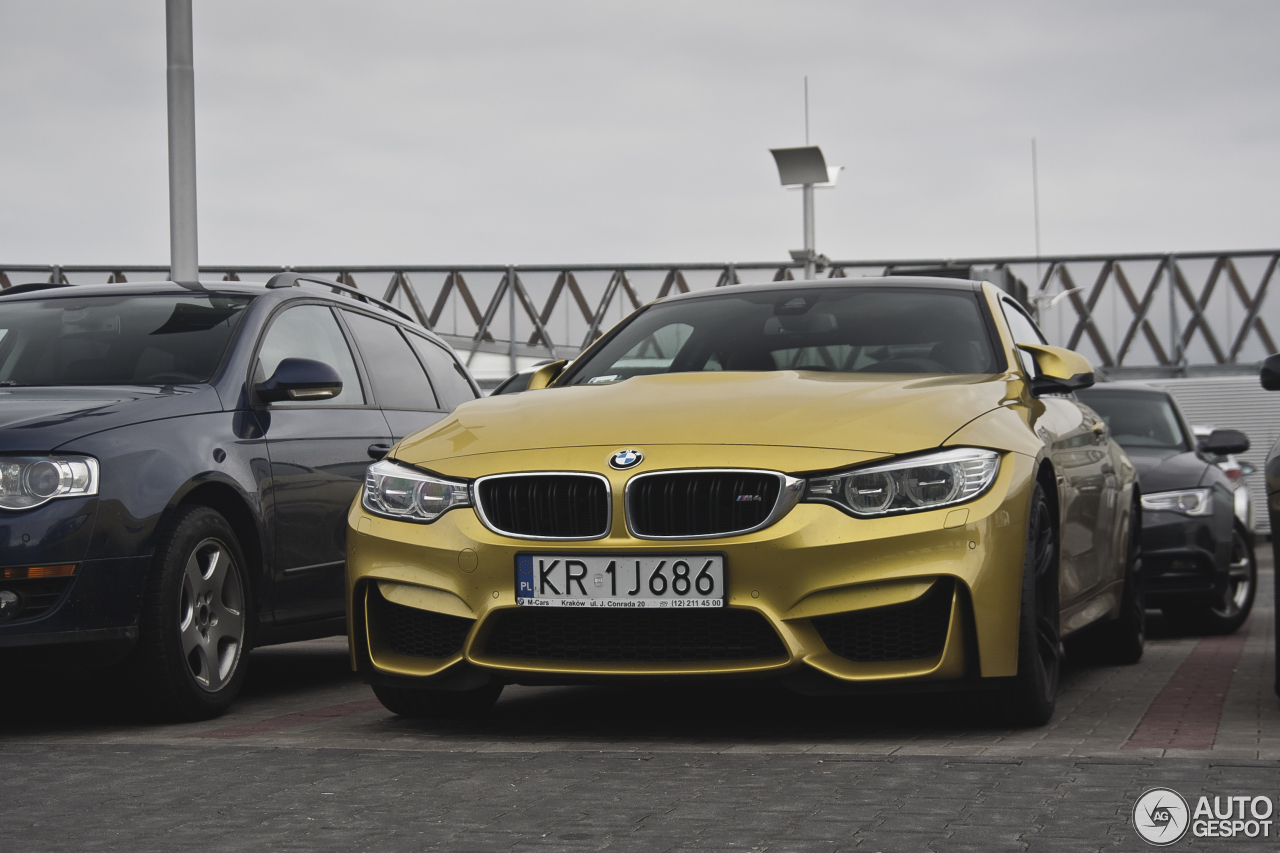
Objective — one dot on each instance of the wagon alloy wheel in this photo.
(196, 620)
(211, 614)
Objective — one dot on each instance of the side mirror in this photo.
(300, 379)
(1222, 442)
(1059, 370)
(1271, 373)
(545, 375)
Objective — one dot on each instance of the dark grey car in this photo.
(176, 467)
(1198, 564)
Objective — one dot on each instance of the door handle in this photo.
(378, 452)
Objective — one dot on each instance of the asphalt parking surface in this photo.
(308, 760)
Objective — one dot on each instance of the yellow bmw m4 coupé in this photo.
(847, 485)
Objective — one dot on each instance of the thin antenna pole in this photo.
(1035, 200)
(806, 109)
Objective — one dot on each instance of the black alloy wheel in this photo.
(193, 646)
(438, 704)
(1120, 640)
(1029, 697)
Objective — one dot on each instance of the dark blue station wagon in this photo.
(176, 464)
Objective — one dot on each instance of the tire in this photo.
(1228, 612)
(438, 704)
(1028, 698)
(1120, 640)
(193, 640)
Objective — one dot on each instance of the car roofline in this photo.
(903, 281)
(52, 290)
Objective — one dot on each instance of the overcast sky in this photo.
(578, 132)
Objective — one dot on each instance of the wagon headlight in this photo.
(1188, 502)
(397, 491)
(920, 483)
(29, 481)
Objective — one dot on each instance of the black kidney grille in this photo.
(701, 503)
(910, 631)
(556, 506)
(417, 633)
(570, 634)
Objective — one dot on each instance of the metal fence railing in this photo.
(1134, 314)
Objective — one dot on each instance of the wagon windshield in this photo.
(833, 330)
(116, 340)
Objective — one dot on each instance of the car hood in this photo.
(847, 412)
(1166, 470)
(38, 420)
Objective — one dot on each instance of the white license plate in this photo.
(563, 580)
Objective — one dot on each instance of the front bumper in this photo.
(93, 621)
(1180, 558)
(797, 578)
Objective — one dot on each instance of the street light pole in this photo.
(810, 244)
(183, 258)
(805, 168)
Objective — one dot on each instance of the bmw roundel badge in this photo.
(625, 459)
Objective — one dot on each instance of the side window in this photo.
(447, 375)
(311, 331)
(398, 379)
(1024, 332)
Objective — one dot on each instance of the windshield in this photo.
(1138, 420)
(838, 330)
(116, 340)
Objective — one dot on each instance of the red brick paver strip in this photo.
(288, 721)
(1186, 712)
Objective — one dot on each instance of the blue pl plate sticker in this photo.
(524, 577)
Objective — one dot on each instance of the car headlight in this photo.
(1188, 502)
(29, 481)
(397, 491)
(917, 484)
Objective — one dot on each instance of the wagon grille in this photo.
(910, 631)
(546, 506)
(633, 635)
(417, 633)
(701, 503)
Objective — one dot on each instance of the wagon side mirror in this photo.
(1222, 442)
(300, 379)
(1271, 373)
(545, 375)
(1058, 370)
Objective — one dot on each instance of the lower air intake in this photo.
(910, 631)
(417, 633)
(647, 636)
(36, 596)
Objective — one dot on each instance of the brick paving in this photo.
(308, 760)
(1185, 714)
(288, 721)
(217, 796)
